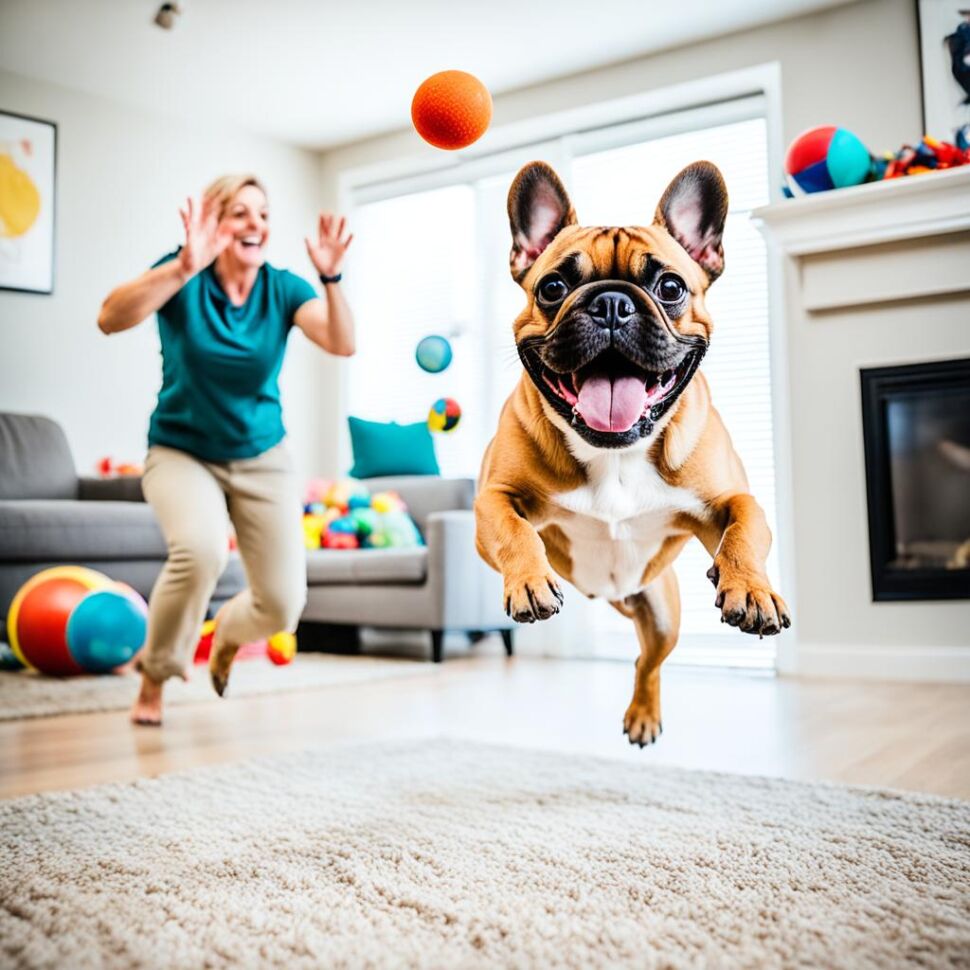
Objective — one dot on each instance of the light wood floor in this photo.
(894, 735)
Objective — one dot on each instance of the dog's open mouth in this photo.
(611, 394)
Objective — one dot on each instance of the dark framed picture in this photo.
(944, 28)
(28, 187)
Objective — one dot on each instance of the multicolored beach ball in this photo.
(444, 415)
(826, 158)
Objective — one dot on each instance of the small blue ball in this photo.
(433, 354)
(105, 630)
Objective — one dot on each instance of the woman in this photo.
(215, 438)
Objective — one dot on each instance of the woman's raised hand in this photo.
(327, 250)
(204, 240)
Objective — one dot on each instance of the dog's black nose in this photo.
(611, 309)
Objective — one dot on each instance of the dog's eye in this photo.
(552, 289)
(670, 288)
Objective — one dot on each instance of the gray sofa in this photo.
(50, 516)
(443, 586)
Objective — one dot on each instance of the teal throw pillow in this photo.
(391, 449)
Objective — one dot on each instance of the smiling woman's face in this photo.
(247, 219)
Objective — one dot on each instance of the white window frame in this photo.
(557, 137)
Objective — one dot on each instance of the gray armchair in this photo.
(49, 516)
(441, 587)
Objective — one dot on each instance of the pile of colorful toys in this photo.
(929, 155)
(344, 515)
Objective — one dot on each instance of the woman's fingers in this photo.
(341, 226)
(350, 239)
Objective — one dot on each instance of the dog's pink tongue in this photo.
(611, 405)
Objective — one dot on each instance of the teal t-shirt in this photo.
(220, 396)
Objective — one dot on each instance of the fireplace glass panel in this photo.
(916, 423)
(929, 460)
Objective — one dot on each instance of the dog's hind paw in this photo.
(532, 598)
(642, 725)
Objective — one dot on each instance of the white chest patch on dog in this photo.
(617, 522)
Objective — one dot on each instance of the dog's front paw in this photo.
(747, 601)
(532, 597)
(642, 724)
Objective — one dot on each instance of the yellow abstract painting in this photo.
(27, 197)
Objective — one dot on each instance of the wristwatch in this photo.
(330, 279)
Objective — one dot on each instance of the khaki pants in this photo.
(194, 501)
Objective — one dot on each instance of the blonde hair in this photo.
(223, 190)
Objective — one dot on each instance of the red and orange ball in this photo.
(451, 110)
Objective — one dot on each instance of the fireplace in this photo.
(916, 424)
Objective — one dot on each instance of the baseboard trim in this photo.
(949, 665)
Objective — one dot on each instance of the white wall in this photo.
(121, 176)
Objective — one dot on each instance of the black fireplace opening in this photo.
(916, 426)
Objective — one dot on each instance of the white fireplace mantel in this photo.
(903, 208)
(905, 239)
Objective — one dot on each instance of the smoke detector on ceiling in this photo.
(168, 15)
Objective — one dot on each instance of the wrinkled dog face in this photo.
(615, 324)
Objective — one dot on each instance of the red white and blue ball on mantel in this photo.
(826, 158)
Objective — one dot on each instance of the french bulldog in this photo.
(609, 455)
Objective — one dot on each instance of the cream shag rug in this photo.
(24, 694)
(452, 855)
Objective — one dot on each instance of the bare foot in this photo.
(147, 708)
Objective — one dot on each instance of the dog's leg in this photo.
(512, 547)
(655, 612)
(738, 537)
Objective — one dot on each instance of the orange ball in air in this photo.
(451, 109)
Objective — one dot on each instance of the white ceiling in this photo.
(321, 72)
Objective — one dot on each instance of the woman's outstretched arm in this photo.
(127, 305)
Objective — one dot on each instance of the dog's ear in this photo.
(538, 208)
(693, 210)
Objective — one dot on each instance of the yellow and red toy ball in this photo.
(281, 648)
(451, 110)
(38, 617)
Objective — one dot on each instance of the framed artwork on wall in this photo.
(28, 169)
(944, 28)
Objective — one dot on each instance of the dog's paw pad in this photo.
(533, 598)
